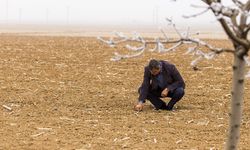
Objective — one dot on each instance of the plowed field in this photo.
(65, 93)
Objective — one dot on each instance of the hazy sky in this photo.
(127, 12)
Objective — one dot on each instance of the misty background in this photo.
(102, 14)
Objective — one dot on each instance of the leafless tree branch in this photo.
(217, 9)
(247, 29)
(198, 14)
(162, 45)
(238, 3)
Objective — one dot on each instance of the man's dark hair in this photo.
(154, 64)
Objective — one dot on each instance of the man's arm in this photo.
(145, 86)
(178, 80)
(143, 91)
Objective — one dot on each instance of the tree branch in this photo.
(160, 46)
(244, 16)
(238, 3)
(195, 15)
(247, 6)
(231, 34)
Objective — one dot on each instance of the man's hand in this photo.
(164, 93)
(139, 106)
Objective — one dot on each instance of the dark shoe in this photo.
(166, 107)
(163, 107)
(169, 108)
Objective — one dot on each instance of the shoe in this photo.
(164, 107)
(169, 108)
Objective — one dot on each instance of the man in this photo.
(161, 79)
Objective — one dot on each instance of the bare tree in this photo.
(234, 21)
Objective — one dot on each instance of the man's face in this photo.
(155, 71)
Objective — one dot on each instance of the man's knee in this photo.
(179, 92)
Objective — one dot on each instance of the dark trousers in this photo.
(155, 95)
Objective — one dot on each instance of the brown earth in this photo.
(65, 93)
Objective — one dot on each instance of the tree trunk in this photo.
(236, 102)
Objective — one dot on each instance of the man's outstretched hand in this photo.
(139, 106)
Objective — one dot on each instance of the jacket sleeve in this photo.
(178, 80)
(143, 91)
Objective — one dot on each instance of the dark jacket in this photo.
(170, 74)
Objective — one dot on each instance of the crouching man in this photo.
(161, 79)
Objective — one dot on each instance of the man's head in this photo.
(154, 67)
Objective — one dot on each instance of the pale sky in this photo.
(102, 12)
